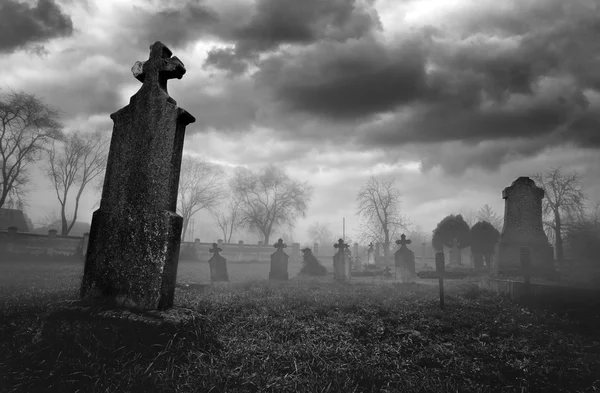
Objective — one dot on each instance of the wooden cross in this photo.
(340, 244)
(215, 249)
(371, 245)
(403, 242)
(279, 245)
(159, 67)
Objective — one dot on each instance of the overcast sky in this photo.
(455, 99)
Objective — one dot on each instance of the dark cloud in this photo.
(175, 26)
(22, 25)
(226, 59)
(346, 80)
(277, 22)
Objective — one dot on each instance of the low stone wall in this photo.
(538, 293)
(13, 242)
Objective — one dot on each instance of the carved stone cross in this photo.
(215, 249)
(403, 241)
(159, 68)
(340, 244)
(279, 245)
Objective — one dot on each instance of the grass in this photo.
(308, 336)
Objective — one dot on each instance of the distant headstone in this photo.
(454, 254)
(218, 265)
(405, 260)
(377, 253)
(311, 265)
(133, 249)
(341, 264)
(316, 249)
(523, 228)
(279, 262)
(356, 262)
(370, 255)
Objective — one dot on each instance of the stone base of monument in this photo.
(78, 322)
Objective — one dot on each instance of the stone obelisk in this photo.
(134, 240)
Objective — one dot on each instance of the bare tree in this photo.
(26, 126)
(200, 187)
(379, 208)
(320, 233)
(269, 199)
(229, 220)
(564, 199)
(486, 213)
(73, 163)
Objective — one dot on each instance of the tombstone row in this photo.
(342, 262)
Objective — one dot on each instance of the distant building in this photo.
(13, 218)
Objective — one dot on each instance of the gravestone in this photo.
(218, 265)
(311, 265)
(523, 228)
(279, 262)
(341, 264)
(405, 260)
(440, 268)
(370, 255)
(316, 249)
(135, 235)
(454, 259)
(356, 262)
(377, 255)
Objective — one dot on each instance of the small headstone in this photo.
(341, 264)
(135, 235)
(370, 255)
(218, 265)
(455, 253)
(377, 253)
(279, 262)
(316, 249)
(405, 260)
(311, 265)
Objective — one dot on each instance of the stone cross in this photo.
(135, 236)
(279, 245)
(159, 68)
(403, 242)
(341, 245)
(215, 249)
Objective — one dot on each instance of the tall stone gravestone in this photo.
(133, 249)
(370, 255)
(405, 260)
(341, 264)
(218, 265)
(279, 262)
(523, 228)
(356, 262)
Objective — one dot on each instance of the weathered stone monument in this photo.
(523, 228)
(370, 255)
(341, 264)
(133, 248)
(218, 265)
(279, 262)
(356, 262)
(405, 260)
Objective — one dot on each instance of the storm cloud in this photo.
(22, 25)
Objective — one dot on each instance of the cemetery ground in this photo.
(304, 335)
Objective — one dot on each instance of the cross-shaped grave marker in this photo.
(279, 245)
(403, 241)
(215, 249)
(341, 245)
(159, 68)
